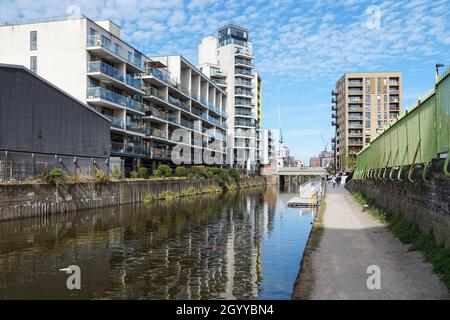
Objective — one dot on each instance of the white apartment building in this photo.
(267, 148)
(228, 60)
(146, 99)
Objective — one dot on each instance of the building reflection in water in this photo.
(208, 247)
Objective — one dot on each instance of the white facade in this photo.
(228, 60)
(145, 99)
(267, 149)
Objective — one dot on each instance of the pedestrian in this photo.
(333, 180)
(338, 180)
(344, 179)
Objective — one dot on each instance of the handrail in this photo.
(446, 172)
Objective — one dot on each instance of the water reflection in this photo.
(242, 245)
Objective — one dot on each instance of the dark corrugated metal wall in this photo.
(37, 117)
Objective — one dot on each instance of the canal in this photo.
(238, 245)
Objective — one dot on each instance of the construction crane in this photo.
(324, 144)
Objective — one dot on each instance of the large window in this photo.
(33, 64)
(33, 40)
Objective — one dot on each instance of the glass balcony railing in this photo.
(158, 133)
(102, 41)
(129, 149)
(172, 119)
(150, 91)
(217, 122)
(99, 66)
(240, 71)
(248, 93)
(243, 51)
(135, 127)
(244, 112)
(197, 112)
(115, 122)
(105, 94)
(160, 74)
(242, 82)
(244, 133)
(160, 153)
(187, 124)
(244, 62)
(132, 81)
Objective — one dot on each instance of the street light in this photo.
(438, 65)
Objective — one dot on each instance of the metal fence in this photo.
(416, 138)
(20, 166)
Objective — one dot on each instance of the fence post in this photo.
(33, 164)
(6, 165)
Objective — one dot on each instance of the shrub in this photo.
(149, 199)
(190, 176)
(209, 173)
(134, 174)
(164, 170)
(234, 173)
(74, 179)
(157, 173)
(199, 171)
(168, 195)
(99, 176)
(180, 172)
(190, 192)
(116, 174)
(142, 172)
(54, 176)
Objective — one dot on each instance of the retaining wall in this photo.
(31, 200)
(425, 204)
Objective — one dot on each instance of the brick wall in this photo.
(426, 204)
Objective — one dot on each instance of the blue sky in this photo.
(301, 46)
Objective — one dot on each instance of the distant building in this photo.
(363, 104)
(42, 127)
(314, 162)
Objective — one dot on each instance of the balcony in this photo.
(245, 93)
(334, 93)
(158, 153)
(244, 72)
(186, 123)
(244, 123)
(244, 62)
(355, 109)
(116, 122)
(129, 149)
(180, 104)
(99, 43)
(220, 82)
(160, 74)
(355, 142)
(394, 82)
(218, 73)
(355, 82)
(355, 92)
(243, 102)
(217, 122)
(155, 113)
(243, 83)
(355, 125)
(102, 96)
(244, 112)
(156, 133)
(104, 72)
(173, 119)
(132, 81)
(217, 110)
(355, 100)
(244, 133)
(137, 127)
(333, 116)
(156, 93)
(394, 99)
(245, 52)
(354, 117)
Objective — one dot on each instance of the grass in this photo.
(305, 279)
(410, 234)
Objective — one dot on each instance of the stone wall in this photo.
(31, 200)
(426, 204)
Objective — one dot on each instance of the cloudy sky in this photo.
(301, 46)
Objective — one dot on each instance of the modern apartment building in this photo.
(145, 99)
(228, 60)
(363, 104)
(267, 148)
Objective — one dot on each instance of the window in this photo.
(33, 64)
(367, 140)
(368, 124)
(367, 132)
(33, 40)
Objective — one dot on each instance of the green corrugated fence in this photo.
(416, 138)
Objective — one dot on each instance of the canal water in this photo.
(242, 245)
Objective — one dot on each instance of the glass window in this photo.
(33, 40)
(33, 64)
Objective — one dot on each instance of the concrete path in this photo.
(352, 241)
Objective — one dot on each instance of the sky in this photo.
(301, 47)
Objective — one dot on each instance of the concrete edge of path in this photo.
(305, 279)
